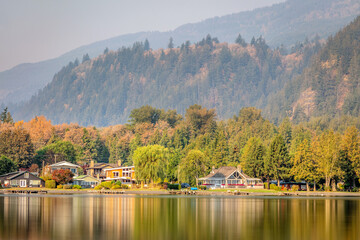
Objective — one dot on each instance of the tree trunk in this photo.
(268, 181)
(314, 186)
(354, 183)
(327, 183)
(278, 183)
(333, 185)
(307, 186)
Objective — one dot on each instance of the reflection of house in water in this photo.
(229, 177)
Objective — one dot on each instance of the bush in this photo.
(115, 187)
(50, 184)
(67, 187)
(76, 186)
(354, 189)
(174, 186)
(59, 186)
(327, 189)
(124, 186)
(272, 186)
(202, 187)
(295, 188)
(341, 186)
(118, 183)
(106, 185)
(266, 185)
(98, 187)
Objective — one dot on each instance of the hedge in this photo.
(50, 184)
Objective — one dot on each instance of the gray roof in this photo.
(223, 173)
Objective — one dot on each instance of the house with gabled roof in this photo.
(229, 177)
(21, 179)
(97, 170)
(64, 165)
(86, 181)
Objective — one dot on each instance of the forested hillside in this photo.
(285, 23)
(104, 90)
(329, 87)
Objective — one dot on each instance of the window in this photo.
(34, 182)
(26, 175)
(116, 174)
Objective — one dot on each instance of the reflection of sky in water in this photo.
(170, 217)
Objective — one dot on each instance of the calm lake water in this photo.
(170, 217)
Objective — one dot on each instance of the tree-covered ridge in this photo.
(103, 91)
(330, 85)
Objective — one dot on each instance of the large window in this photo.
(116, 174)
(34, 182)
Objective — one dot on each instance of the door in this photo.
(22, 183)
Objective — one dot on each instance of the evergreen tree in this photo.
(239, 40)
(5, 116)
(193, 166)
(171, 43)
(146, 45)
(6, 165)
(277, 164)
(350, 145)
(252, 158)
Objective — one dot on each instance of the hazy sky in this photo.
(35, 30)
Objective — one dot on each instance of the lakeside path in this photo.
(222, 192)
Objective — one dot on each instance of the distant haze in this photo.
(33, 31)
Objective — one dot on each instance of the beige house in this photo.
(97, 170)
(229, 177)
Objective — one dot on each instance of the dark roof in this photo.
(224, 172)
(13, 175)
(103, 165)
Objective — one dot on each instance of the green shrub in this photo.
(106, 185)
(59, 186)
(341, 186)
(50, 184)
(354, 189)
(76, 186)
(272, 186)
(327, 189)
(118, 183)
(98, 187)
(115, 187)
(266, 185)
(112, 182)
(174, 186)
(202, 187)
(124, 186)
(295, 188)
(67, 186)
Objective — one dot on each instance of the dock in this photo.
(107, 191)
(26, 191)
(182, 192)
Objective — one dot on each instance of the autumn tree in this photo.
(252, 158)
(200, 119)
(150, 162)
(62, 176)
(145, 114)
(351, 148)
(193, 166)
(326, 155)
(277, 164)
(40, 130)
(15, 143)
(304, 166)
(6, 165)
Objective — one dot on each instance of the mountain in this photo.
(104, 90)
(330, 86)
(285, 23)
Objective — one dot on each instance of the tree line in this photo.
(164, 145)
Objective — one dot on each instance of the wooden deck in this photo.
(26, 191)
(172, 192)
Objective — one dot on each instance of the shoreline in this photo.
(196, 193)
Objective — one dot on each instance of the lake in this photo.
(172, 217)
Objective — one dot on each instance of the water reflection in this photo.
(135, 217)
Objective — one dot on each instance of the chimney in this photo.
(119, 163)
(92, 164)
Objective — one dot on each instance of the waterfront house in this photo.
(86, 181)
(229, 177)
(124, 174)
(64, 165)
(21, 179)
(97, 170)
